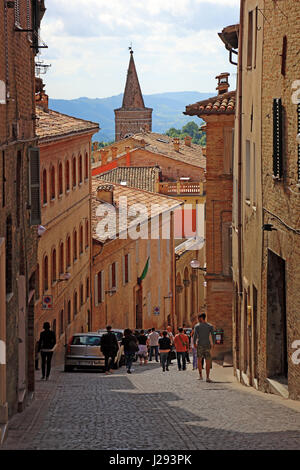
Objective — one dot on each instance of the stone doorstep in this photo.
(278, 388)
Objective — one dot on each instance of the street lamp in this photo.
(195, 264)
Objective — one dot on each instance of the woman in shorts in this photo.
(143, 349)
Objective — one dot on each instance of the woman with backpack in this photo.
(130, 344)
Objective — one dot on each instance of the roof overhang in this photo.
(230, 36)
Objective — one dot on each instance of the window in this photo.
(99, 288)
(53, 276)
(80, 169)
(68, 251)
(45, 274)
(247, 171)
(255, 35)
(226, 247)
(250, 39)
(69, 312)
(60, 179)
(283, 56)
(277, 139)
(86, 166)
(18, 188)
(52, 183)
(126, 269)
(74, 172)
(67, 175)
(87, 288)
(113, 276)
(75, 246)
(61, 322)
(86, 233)
(44, 186)
(81, 294)
(228, 150)
(61, 258)
(81, 239)
(17, 12)
(254, 175)
(9, 264)
(75, 306)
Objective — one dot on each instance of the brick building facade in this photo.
(133, 116)
(64, 249)
(218, 113)
(19, 200)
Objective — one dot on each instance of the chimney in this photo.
(41, 99)
(142, 143)
(104, 156)
(176, 144)
(105, 193)
(188, 140)
(127, 150)
(114, 152)
(223, 84)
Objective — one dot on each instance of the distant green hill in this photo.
(167, 110)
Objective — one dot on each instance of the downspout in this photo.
(240, 116)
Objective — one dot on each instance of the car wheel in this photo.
(69, 368)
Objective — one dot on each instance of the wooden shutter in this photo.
(228, 147)
(277, 139)
(102, 286)
(298, 112)
(129, 265)
(117, 273)
(124, 269)
(110, 276)
(34, 183)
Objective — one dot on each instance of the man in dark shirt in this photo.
(204, 340)
(46, 346)
(109, 347)
(130, 344)
(164, 349)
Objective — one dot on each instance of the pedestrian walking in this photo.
(187, 354)
(204, 340)
(181, 342)
(109, 346)
(194, 350)
(171, 336)
(46, 346)
(164, 349)
(153, 343)
(130, 344)
(143, 349)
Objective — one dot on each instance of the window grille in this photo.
(277, 139)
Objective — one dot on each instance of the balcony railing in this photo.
(181, 187)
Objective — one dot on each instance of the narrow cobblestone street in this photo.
(150, 409)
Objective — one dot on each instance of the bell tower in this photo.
(133, 117)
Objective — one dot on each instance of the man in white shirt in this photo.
(153, 343)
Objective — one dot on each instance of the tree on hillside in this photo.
(191, 129)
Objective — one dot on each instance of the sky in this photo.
(175, 42)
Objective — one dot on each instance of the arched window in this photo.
(44, 186)
(81, 239)
(74, 172)
(45, 274)
(86, 233)
(67, 175)
(53, 275)
(87, 288)
(69, 312)
(61, 258)
(60, 179)
(68, 251)
(81, 294)
(75, 306)
(52, 183)
(74, 245)
(80, 169)
(86, 166)
(61, 322)
(9, 251)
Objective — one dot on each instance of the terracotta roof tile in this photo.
(136, 176)
(155, 203)
(221, 104)
(52, 124)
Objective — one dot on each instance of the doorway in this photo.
(277, 357)
(139, 309)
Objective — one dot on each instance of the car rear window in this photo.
(119, 335)
(86, 340)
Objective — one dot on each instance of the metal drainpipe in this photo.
(240, 84)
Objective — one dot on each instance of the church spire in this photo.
(133, 98)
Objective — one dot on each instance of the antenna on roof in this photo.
(130, 48)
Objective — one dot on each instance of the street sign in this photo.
(47, 302)
(156, 311)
